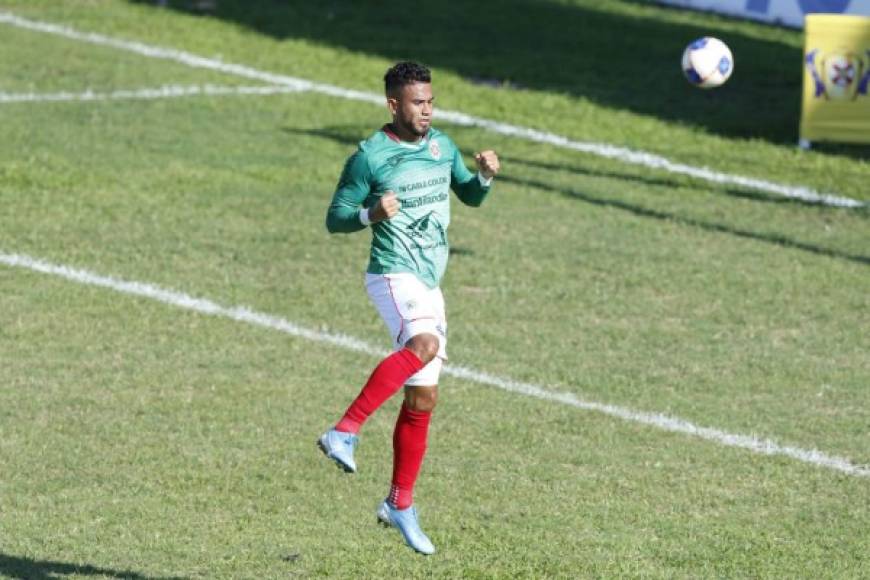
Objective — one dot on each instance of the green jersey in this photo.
(420, 174)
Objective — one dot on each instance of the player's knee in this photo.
(421, 399)
(425, 346)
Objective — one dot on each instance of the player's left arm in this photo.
(470, 188)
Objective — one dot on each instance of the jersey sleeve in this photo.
(467, 186)
(352, 190)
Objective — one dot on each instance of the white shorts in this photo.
(409, 308)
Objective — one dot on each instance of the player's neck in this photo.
(403, 134)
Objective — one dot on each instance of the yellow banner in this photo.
(836, 100)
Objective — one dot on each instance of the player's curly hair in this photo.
(404, 73)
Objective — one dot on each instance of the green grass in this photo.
(142, 441)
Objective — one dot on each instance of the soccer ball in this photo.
(707, 62)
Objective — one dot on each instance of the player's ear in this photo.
(392, 104)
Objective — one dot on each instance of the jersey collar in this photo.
(389, 133)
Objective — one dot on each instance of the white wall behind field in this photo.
(787, 12)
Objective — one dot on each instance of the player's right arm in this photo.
(346, 213)
(343, 215)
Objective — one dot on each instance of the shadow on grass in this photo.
(351, 136)
(30, 569)
(615, 54)
(769, 238)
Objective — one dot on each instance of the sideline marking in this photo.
(601, 149)
(244, 314)
(163, 92)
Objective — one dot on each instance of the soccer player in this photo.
(398, 183)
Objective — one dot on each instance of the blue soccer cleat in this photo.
(406, 521)
(339, 446)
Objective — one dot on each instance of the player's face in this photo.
(412, 109)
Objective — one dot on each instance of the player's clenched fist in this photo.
(385, 208)
(487, 163)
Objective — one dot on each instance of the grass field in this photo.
(143, 440)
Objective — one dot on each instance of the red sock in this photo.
(409, 447)
(387, 378)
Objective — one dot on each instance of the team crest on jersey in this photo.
(434, 150)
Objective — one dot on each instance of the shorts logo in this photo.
(434, 150)
(411, 305)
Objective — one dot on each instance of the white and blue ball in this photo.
(707, 62)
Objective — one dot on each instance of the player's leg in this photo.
(410, 441)
(410, 437)
(392, 297)
(386, 380)
(409, 447)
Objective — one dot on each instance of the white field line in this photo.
(244, 314)
(163, 92)
(601, 149)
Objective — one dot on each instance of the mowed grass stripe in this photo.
(244, 314)
(623, 154)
